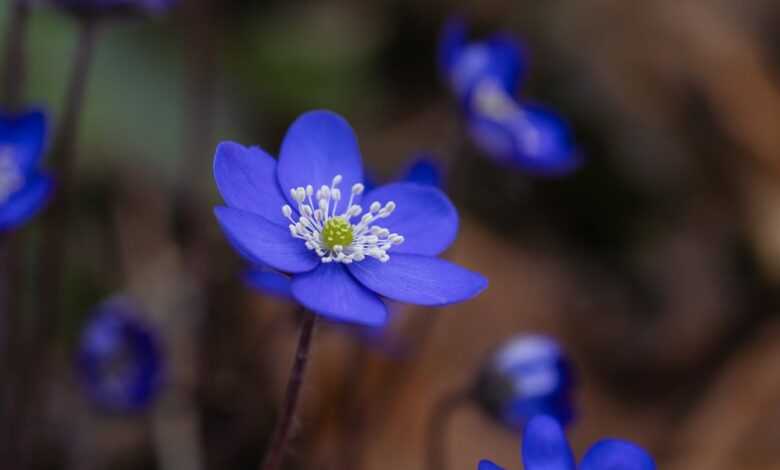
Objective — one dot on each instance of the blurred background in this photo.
(655, 265)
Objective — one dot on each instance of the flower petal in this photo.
(452, 40)
(488, 465)
(268, 282)
(330, 291)
(263, 242)
(26, 202)
(424, 216)
(545, 446)
(246, 178)
(420, 280)
(318, 146)
(423, 170)
(26, 135)
(615, 454)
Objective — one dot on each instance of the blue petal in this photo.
(318, 146)
(452, 40)
(263, 242)
(499, 59)
(424, 216)
(246, 178)
(269, 282)
(25, 203)
(420, 280)
(26, 135)
(488, 465)
(330, 291)
(545, 446)
(533, 139)
(423, 170)
(615, 454)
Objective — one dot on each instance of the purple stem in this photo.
(281, 435)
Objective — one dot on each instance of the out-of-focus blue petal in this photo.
(500, 58)
(422, 170)
(420, 280)
(269, 282)
(527, 137)
(26, 202)
(330, 291)
(616, 454)
(109, 7)
(25, 136)
(451, 42)
(120, 359)
(264, 242)
(424, 216)
(488, 465)
(246, 178)
(528, 375)
(545, 446)
(318, 146)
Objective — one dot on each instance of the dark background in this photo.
(655, 265)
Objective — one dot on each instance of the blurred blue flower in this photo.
(119, 358)
(422, 169)
(484, 77)
(286, 215)
(114, 7)
(464, 63)
(545, 448)
(24, 188)
(527, 376)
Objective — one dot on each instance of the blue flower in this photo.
(422, 169)
(484, 77)
(113, 7)
(291, 216)
(464, 63)
(24, 188)
(119, 358)
(527, 376)
(545, 448)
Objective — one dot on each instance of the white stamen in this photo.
(316, 208)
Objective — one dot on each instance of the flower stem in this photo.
(443, 410)
(63, 156)
(281, 435)
(14, 74)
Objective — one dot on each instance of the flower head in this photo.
(484, 77)
(464, 64)
(114, 7)
(545, 448)
(344, 250)
(24, 188)
(527, 376)
(119, 358)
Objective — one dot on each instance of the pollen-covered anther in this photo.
(330, 233)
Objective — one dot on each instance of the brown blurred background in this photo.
(655, 265)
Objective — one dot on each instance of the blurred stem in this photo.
(436, 433)
(63, 156)
(281, 435)
(53, 249)
(14, 75)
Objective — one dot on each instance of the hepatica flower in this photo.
(24, 188)
(119, 358)
(484, 76)
(545, 448)
(422, 169)
(346, 249)
(527, 376)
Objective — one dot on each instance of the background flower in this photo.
(320, 151)
(24, 188)
(120, 358)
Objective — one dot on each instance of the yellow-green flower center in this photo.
(337, 231)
